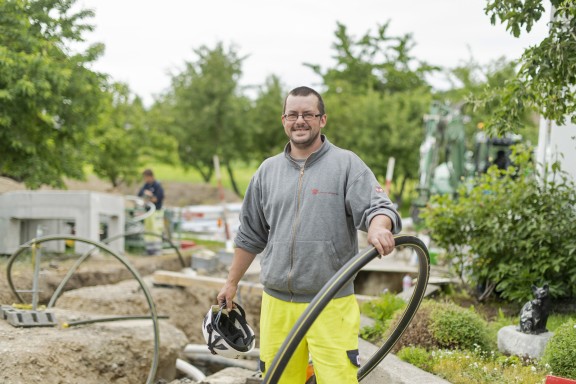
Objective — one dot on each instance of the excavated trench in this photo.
(118, 352)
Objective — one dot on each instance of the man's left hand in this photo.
(380, 235)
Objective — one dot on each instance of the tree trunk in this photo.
(232, 179)
(399, 197)
(206, 173)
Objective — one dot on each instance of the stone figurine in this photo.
(534, 314)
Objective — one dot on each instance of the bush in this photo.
(443, 325)
(416, 356)
(382, 311)
(455, 327)
(519, 230)
(384, 307)
(560, 353)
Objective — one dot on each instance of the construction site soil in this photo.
(116, 352)
(109, 352)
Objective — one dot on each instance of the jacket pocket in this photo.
(274, 266)
(315, 262)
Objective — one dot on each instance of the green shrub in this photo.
(418, 331)
(443, 325)
(519, 230)
(560, 353)
(373, 333)
(455, 327)
(416, 356)
(381, 310)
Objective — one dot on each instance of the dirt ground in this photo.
(114, 352)
(102, 287)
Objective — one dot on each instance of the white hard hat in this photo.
(226, 332)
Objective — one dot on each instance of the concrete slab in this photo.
(407, 294)
(513, 342)
(392, 370)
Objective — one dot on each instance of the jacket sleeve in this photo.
(366, 199)
(253, 232)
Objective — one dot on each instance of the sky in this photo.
(146, 40)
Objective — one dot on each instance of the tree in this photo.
(123, 138)
(546, 79)
(267, 133)
(376, 96)
(48, 96)
(376, 62)
(472, 77)
(511, 230)
(209, 112)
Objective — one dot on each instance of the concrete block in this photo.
(513, 342)
(23, 213)
(229, 376)
(27, 318)
(225, 256)
(205, 260)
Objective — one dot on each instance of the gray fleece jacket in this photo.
(304, 219)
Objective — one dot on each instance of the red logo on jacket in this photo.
(318, 192)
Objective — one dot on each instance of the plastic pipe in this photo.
(189, 370)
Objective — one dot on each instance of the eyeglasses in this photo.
(305, 116)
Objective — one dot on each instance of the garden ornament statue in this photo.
(534, 314)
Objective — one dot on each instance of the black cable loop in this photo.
(333, 286)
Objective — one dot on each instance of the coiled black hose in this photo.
(333, 286)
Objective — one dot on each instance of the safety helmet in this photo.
(226, 332)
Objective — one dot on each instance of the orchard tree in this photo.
(546, 79)
(376, 96)
(48, 96)
(376, 62)
(123, 138)
(210, 115)
(267, 133)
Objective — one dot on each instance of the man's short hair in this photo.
(148, 172)
(306, 91)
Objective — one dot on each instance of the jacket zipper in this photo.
(294, 227)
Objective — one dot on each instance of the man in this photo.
(152, 189)
(303, 209)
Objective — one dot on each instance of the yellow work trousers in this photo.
(331, 342)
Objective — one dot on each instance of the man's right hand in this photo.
(240, 263)
(227, 294)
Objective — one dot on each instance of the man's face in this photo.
(303, 134)
(148, 179)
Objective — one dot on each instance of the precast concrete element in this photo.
(25, 215)
(27, 318)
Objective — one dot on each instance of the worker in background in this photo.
(301, 212)
(152, 191)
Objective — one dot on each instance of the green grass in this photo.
(176, 173)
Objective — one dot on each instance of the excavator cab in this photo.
(490, 151)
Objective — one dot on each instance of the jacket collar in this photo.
(314, 157)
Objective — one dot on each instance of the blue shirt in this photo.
(156, 190)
